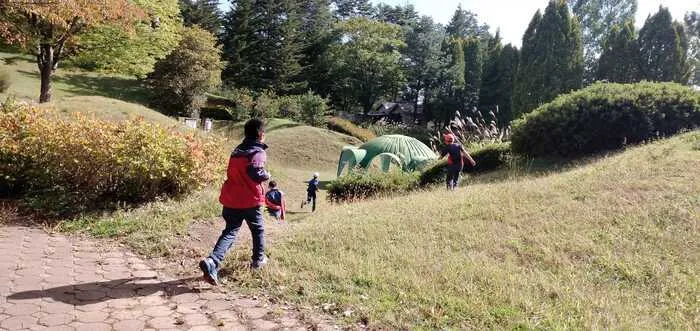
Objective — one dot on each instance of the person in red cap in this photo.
(455, 159)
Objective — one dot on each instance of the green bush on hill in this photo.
(360, 185)
(606, 117)
(179, 81)
(63, 166)
(488, 158)
(349, 128)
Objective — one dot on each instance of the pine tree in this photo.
(498, 79)
(239, 49)
(692, 28)
(464, 24)
(597, 18)
(619, 62)
(661, 48)
(286, 49)
(204, 13)
(346, 9)
(447, 96)
(473, 66)
(263, 45)
(528, 77)
(552, 58)
(316, 36)
(403, 16)
(424, 59)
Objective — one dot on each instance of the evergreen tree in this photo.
(204, 13)
(316, 35)
(619, 62)
(464, 24)
(346, 9)
(552, 58)
(597, 18)
(473, 66)
(403, 16)
(424, 60)
(661, 49)
(263, 46)
(285, 52)
(239, 46)
(498, 79)
(447, 96)
(528, 77)
(692, 28)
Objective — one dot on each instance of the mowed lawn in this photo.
(610, 245)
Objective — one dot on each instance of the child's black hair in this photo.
(253, 128)
(272, 184)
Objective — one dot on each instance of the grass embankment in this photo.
(612, 244)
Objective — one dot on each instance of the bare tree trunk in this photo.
(45, 61)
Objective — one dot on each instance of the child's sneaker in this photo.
(208, 267)
(255, 265)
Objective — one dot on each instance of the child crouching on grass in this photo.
(274, 201)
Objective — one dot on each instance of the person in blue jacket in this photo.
(311, 192)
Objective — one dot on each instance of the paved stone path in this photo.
(52, 282)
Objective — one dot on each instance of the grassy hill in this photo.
(612, 244)
(112, 97)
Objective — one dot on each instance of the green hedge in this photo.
(488, 158)
(606, 117)
(360, 186)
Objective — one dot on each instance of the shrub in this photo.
(488, 157)
(289, 107)
(313, 108)
(76, 164)
(363, 185)
(349, 128)
(4, 81)
(266, 105)
(179, 81)
(606, 117)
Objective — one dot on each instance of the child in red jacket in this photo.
(274, 201)
(242, 196)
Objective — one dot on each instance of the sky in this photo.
(513, 16)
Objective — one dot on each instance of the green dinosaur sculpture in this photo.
(405, 152)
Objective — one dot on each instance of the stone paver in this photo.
(54, 282)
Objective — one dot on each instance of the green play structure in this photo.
(408, 153)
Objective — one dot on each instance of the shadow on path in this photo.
(88, 293)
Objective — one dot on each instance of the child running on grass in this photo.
(242, 196)
(274, 200)
(311, 192)
(455, 159)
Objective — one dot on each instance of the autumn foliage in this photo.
(69, 165)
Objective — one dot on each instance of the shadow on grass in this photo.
(533, 168)
(125, 89)
(12, 60)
